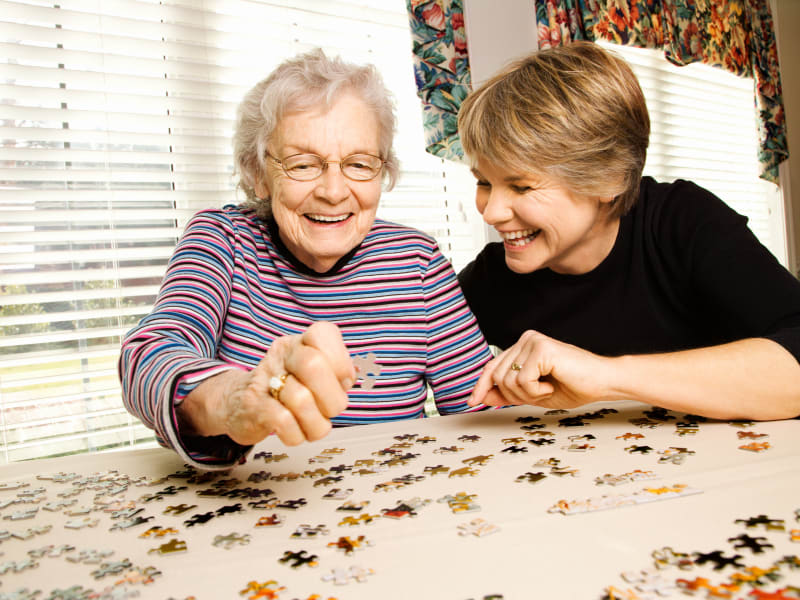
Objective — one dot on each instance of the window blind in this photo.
(116, 124)
(703, 128)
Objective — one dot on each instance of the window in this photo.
(117, 118)
(703, 129)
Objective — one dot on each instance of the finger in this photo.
(536, 389)
(298, 400)
(327, 338)
(495, 398)
(505, 378)
(311, 370)
(484, 385)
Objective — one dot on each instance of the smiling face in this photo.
(542, 223)
(322, 220)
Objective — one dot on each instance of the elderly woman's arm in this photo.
(749, 379)
(238, 403)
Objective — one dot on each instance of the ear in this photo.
(262, 187)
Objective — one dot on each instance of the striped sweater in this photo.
(231, 288)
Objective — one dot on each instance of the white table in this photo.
(535, 553)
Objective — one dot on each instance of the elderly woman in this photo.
(609, 285)
(300, 310)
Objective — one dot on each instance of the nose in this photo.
(496, 207)
(332, 184)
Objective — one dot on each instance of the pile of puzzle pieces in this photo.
(254, 506)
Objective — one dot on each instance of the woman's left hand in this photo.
(541, 371)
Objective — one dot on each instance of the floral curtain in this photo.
(735, 35)
(442, 72)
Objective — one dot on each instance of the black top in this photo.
(684, 272)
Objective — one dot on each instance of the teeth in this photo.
(519, 238)
(513, 235)
(327, 219)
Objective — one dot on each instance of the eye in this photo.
(521, 189)
(483, 184)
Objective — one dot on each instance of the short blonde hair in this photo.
(574, 112)
(308, 81)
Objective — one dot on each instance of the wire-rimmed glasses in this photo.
(307, 167)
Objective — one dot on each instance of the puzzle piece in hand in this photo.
(298, 559)
(367, 369)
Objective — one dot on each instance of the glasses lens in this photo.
(303, 167)
(361, 167)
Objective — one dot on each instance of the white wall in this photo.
(498, 32)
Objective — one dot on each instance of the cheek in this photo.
(481, 200)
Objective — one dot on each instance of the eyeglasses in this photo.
(307, 167)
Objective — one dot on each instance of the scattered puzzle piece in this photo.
(298, 559)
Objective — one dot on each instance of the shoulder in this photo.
(490, 263)
(228, 217)
(683, 206)
(399, 240)
(384, 231)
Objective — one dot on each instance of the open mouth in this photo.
(327, 219)
(520, 238)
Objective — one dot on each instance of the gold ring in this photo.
(276, 383)
(516, 366)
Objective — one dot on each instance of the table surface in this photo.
(529, 549)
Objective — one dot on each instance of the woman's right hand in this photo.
(318, 373)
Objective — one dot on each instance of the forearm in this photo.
(748, 379)
(201, 412)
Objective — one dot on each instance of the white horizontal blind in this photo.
(116, 124)
(703, 128)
